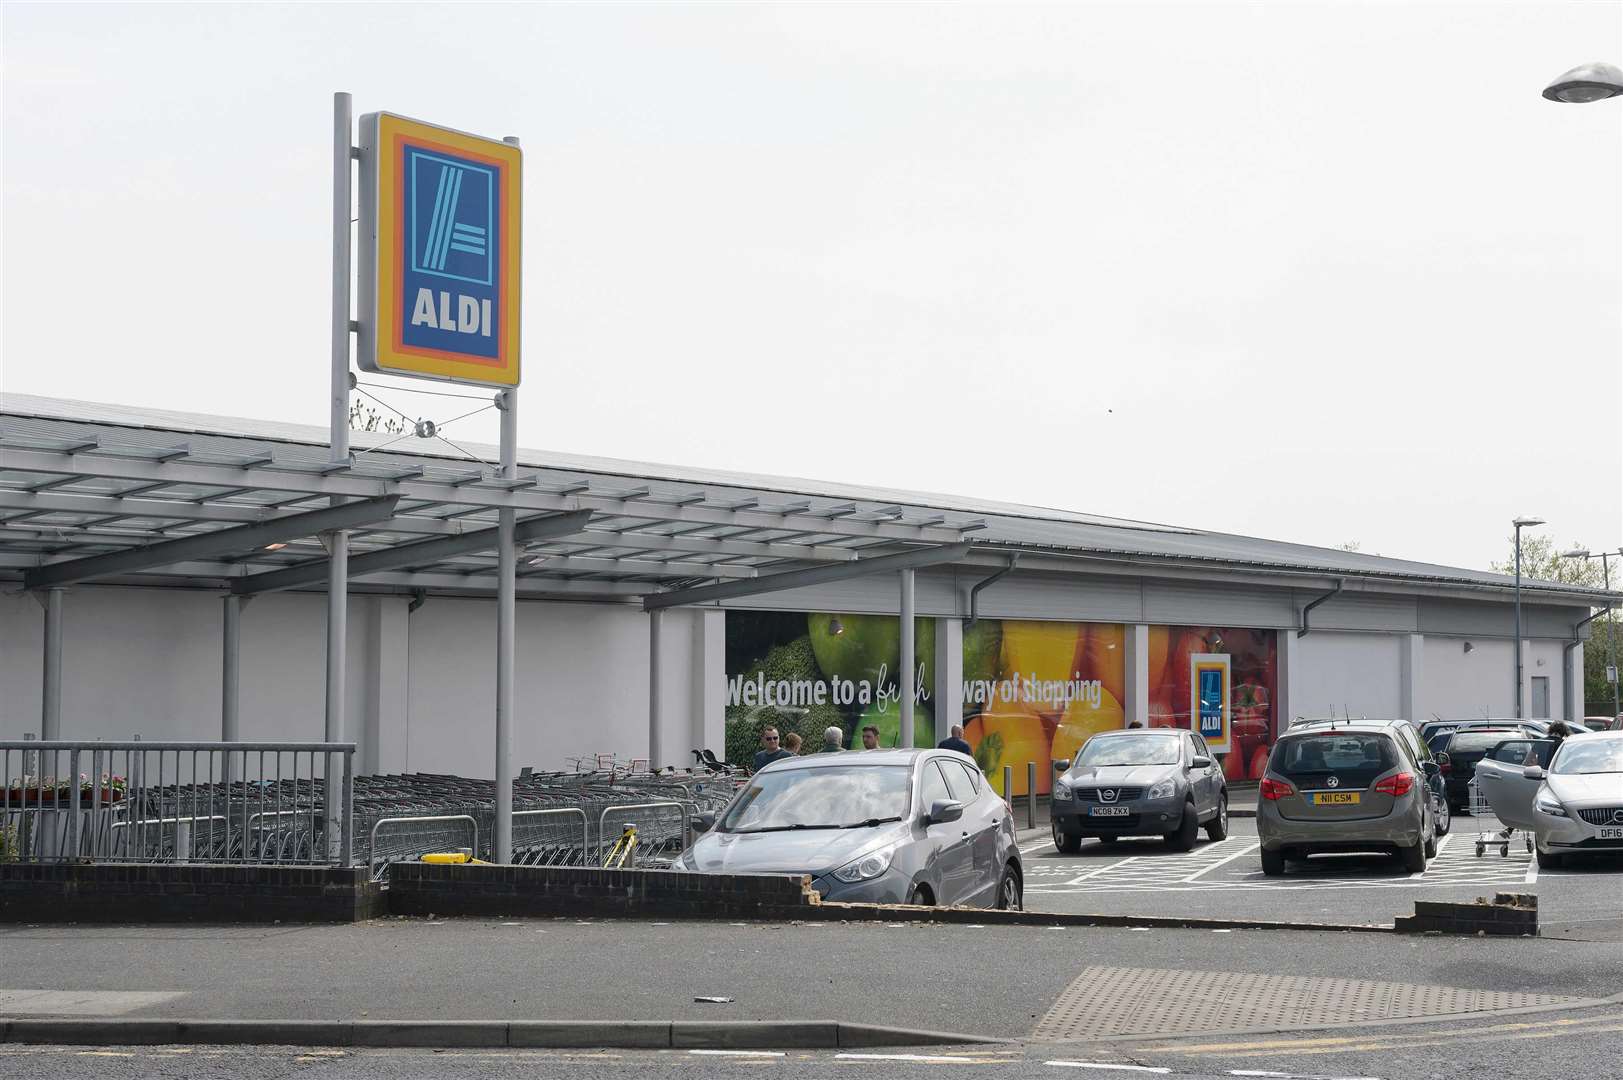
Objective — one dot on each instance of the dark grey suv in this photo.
(1155, 782)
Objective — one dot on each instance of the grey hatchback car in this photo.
(1353, 787)
(1139, 782)
(876, 826)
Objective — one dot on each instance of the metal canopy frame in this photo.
(68, 500)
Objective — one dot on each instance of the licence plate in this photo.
(1337, 798)
(1108, 811)
(1611, 832)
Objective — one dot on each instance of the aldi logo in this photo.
(440, 270)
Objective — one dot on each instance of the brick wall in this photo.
(108, 893)
(423, 889)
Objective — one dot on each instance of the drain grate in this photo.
(1148, 1001)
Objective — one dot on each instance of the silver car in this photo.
(1572, 807)
(1139, 782)
(1356, 787)
(878, 826)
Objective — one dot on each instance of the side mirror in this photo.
(704, 822)
(943, 811)
(1062, 764)
(1201, 762)
(1431, 768)
(1533, 772)
(1442, 759)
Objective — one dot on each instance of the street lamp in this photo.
(1605, 558)
(1520, 523)
(1586, 83)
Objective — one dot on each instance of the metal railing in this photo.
(199, 802)
(414, 837)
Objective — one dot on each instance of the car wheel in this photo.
(1431, 846)
(1218, 827)
(1183, 838)
(1445, 817)
(1414, 857)
(919, 896)
(1273, 863)
(1549, 860)
(1008, 890)
(1067, 843)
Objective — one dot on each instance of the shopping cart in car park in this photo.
(1482, 811)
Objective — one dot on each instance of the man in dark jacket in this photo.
(955, 741)
(770, 751)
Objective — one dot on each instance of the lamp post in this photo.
(1520, 523)
(1605, 558)
(1586, 83)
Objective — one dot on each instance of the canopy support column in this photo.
(50, 721)
(656, 750)
(506, 619)
(908, 677)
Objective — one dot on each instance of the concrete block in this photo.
(87, 1031)
(438, 1033)
(590, 1034)
(854, 1036)
(753, 1035)
(267, 1032)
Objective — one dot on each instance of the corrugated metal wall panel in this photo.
(1191, 604)
(1362, 611)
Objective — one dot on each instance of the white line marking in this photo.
(1036, 847)
(1103, 1065)
(1096, 871)
(739, 1053)
(1220, 862)
(928, 1059)
(1295, 1076)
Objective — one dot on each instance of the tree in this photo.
(1542, 561)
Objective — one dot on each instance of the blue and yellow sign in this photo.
(1209, 691)
(439, 281)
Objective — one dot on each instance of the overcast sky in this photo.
(1314, 272)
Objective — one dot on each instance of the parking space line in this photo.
(1220, 862)
(1107, 1065)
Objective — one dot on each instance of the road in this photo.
(1225, 880)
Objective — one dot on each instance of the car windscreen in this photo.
(829, 797)
(1478, 742)
(1590, 756)
(1131, 750)
(1354, 758)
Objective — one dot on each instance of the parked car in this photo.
(1598, 723)
(1463, 749)
(883, 826)
(1410, 734)
(1352, 787)
(1163, 782)
(1573, 805)
(1433, 728)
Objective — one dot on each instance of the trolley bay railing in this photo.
(186, 802)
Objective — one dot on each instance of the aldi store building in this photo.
(145, 590)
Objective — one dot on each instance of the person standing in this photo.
(870, 738)
(791, 743)
(955, 741)
(770, 751)
(833, 740)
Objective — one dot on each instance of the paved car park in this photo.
(1224, 879)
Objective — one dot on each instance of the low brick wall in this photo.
(1507, 914)
(110, 893)
(424, 889)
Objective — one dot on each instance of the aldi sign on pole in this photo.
(439, 266)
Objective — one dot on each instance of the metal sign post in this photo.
(439, 298)
(338, 441)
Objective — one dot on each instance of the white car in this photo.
(1573, 807)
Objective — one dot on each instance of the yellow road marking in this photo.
(1370, 1046)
